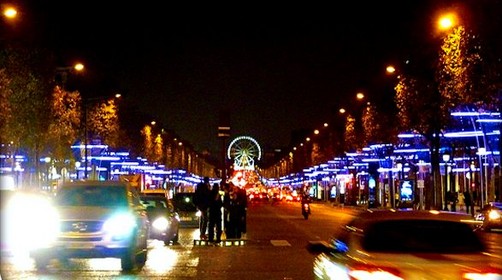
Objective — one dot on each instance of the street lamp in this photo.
(472, 185)
(47, 161)
(483, 179)
(77, 166)
(446, 159)
(9, 12)
(64, 71)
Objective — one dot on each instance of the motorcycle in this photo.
(305, 209)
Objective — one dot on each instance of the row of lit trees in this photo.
(164, 147)
(459, 73)
(40, 118)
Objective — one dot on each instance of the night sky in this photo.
(274, 68)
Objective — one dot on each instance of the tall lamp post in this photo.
(446, 159)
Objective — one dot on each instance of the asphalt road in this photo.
(275, 248)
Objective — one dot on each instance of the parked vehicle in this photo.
(155, 192)
(164, 221)
(184, 206)
(491, 216)
(97, 219)
(406, 244)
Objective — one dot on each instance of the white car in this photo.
(96, 219)
(406, 244)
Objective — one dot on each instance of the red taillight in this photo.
(374, 273)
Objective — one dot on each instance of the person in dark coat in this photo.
(242, 204)
(232, 219)
(215, 214)
(201, 201)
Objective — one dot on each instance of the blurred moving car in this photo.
(184, 206)
(96, 219)
(406, 244)
(491, 216)
(258, 197)
(164, 221)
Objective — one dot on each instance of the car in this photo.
(258, 197)
(156, 192)
(164, 221)
(96, 219)
(183, 204)
(405, 244)
(491, 216)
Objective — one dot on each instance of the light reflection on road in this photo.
(161, 258)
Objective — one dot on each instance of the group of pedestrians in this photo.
(223, 210)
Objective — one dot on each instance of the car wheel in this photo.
(176, 237)
(167, 242)
(141, 259)
(41, 262)
(128, 260)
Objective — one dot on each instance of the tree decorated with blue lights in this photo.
(426, 99)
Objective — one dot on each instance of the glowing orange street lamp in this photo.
(9, 12)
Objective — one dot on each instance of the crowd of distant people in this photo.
(223, 210)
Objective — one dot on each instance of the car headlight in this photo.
(494, 215)
(160, 223)
(198, 214)
(21, 220)
(120, 225)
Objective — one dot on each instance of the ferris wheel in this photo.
(244, 150)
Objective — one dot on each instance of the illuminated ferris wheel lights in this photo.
(244, 150)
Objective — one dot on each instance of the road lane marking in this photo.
(280, 243)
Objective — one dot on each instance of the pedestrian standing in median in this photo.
(232, 219)
(201, 201)
(215, 205)
(242, 204)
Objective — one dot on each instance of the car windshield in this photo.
(426, 236)
(155, 202)
(184, 202)
(109, 196)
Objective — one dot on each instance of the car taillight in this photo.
(374, 273)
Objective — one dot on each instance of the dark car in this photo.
(164, 221)
(97, 219)
(491, 216)
(185, 207)
(406, 244)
